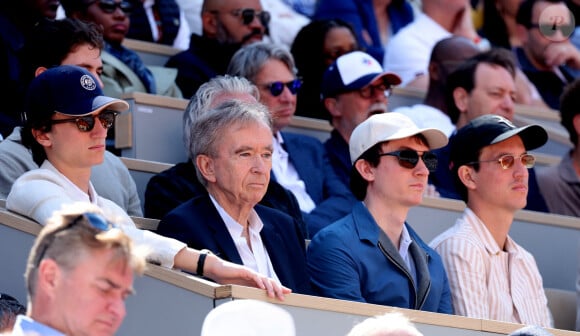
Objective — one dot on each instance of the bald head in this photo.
(448, 53)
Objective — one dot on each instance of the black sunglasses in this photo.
(409, 158)
(248, 15)
(97, 222)
(110, 6)
(549, 29)
(276, 88)
(87, 123)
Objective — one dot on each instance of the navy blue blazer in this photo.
(333, 199)
(198, 224)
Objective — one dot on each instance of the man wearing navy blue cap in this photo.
(353, 88)
(490, 275)
(66, 122)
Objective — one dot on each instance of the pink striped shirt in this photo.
(487, 282)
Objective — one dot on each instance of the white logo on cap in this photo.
(355, 65)
(88, 83)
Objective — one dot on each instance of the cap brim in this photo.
(104, 102)
(533, 136)
(360, 83)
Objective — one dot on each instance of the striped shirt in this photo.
(487, 282)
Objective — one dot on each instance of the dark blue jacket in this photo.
(339, 156)
(198, 224)
(140, 29)
(360, 14)
(332, 198)
(178, 184)
(205, 59)
(353, 259)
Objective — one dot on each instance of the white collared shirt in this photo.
(25, 325)
(288, 177)
(257, 257)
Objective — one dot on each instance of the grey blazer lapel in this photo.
(420, 258)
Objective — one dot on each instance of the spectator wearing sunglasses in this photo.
(315, 47)
(299, 162)
(483, 84)
(490, 275)
(226, 27)
(547, 57)
(354, 87)
(67, 117)
(373, 255)
(78, 275)
(123, 70)
(72, 42)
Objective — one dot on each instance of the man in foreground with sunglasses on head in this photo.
(372, 255)
(490, 275)
(299, 162)
(227, 25)
(67, 118)
(78, 275)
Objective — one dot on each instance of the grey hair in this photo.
(207, 95)
(249, 60)
(209, 129)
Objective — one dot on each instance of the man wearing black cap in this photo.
(490, 275)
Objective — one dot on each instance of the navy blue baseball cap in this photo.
(354, 71)
(66, 89)
(487, 130)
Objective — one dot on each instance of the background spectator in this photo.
(316, 46)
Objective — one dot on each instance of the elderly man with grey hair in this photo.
(168, 189)
(232, 155)
(299, 162)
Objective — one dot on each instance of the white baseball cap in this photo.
(354, 71)
(390, 126)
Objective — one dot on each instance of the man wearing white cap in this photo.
(372, 255)
(353, 88)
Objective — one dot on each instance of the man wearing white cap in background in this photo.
(248, 318)
(372, 255)
(353, 88)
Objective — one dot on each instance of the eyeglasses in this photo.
(110, 6)
(371, 90)
(276, 88)
(507, 161)
(97, 222)
(248, 15)
(409, 158)
(549, 29)
(87, 123)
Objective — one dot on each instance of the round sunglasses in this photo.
(87, 123)
(276, 88)
(409, 159)
(507, 161)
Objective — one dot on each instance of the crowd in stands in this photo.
(258, 205)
